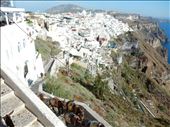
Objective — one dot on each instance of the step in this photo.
(6, 91)
(10, 104)
(23, 118)
(36, 124)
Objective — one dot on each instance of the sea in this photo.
(165, 26)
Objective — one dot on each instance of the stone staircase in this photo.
(21, 116)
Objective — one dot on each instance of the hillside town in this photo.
(84, 36)
(82, 69)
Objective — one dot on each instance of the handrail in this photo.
(33, 103)
(10, 9)
(91, 113)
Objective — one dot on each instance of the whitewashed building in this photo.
(17, 45)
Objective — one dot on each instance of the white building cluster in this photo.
(79, 26)
(83, 34)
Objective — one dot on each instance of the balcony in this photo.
(11, 15)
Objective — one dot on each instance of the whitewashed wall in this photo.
(17, 48)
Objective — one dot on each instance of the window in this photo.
(7, 53)
(24, 43)
(19, 47)
(17, 68)
(25, 70)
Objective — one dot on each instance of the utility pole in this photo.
(120, 62)
(67, 64)
(12, 3)
(96, 63)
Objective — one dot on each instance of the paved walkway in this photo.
(35, 87)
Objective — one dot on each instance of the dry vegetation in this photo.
(47, 48)
(116, 110)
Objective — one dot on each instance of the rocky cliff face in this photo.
(150, 32)
(145, 71)
(149, 62)
(151, 38)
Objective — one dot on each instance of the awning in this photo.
(10, 9)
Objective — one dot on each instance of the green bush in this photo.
(100, 88)
(47, 48)
(29, 22)
(55, 87)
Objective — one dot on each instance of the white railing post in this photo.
(6, 17)
(12, 3)
(14, 17)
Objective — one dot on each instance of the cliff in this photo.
(145, 73)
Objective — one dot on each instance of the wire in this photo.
(29, 35)
(60, 61)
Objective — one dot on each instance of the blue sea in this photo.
(165, 26)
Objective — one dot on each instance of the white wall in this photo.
(17, 48)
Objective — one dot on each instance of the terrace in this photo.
(11, 15)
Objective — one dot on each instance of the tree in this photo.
(100, 87)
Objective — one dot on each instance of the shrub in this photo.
(47, 48)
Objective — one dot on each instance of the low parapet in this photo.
(10, 9)
(32, 102)
(91, 114)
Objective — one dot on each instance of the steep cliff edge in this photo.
(145, 72)
(150, 39)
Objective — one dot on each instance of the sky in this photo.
(159, 9)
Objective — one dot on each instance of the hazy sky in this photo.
(159, 9)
